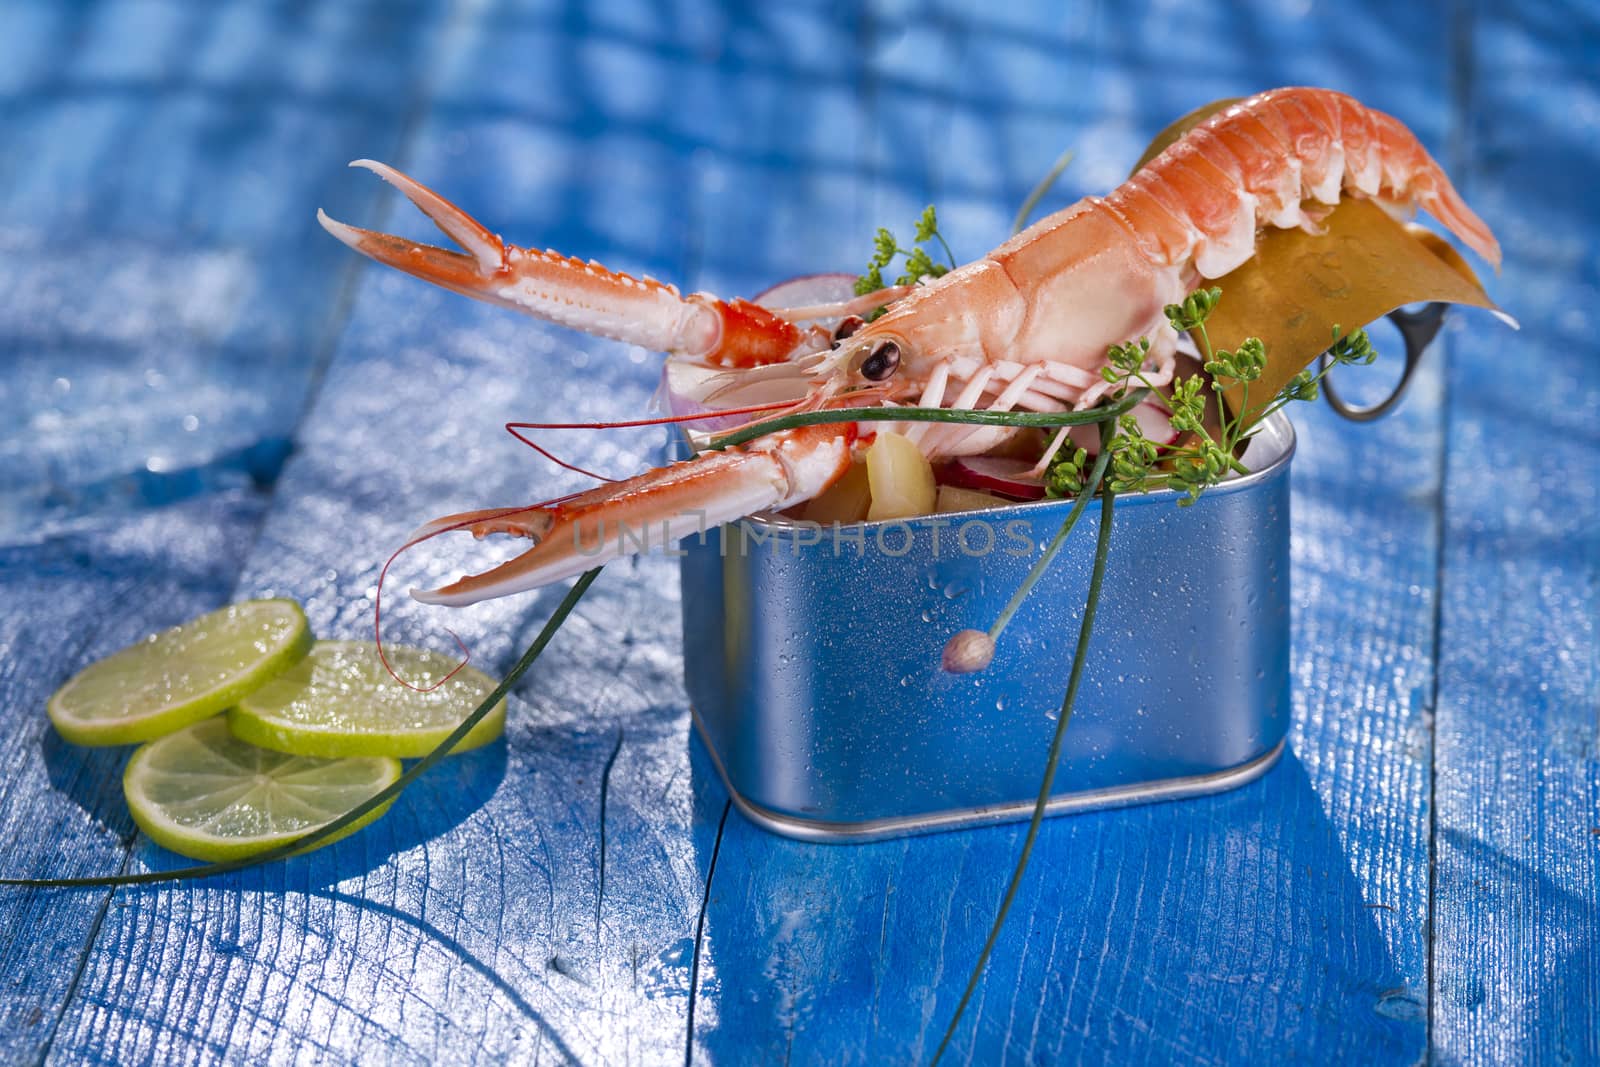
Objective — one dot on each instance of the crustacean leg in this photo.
(651, 510)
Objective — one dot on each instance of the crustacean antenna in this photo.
(515, 430)
(428, 533)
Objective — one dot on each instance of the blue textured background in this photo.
(204, 397)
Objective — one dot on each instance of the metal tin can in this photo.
(812, 658)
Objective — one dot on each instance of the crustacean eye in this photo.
(847, 326)
(882, 362)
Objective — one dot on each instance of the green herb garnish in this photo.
(1025, 212)
(1201, 460)
(918, 263)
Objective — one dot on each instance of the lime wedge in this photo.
(339, 701)
(180, 676)
(203, 793)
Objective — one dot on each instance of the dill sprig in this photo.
(1200, 460)
(918, 263)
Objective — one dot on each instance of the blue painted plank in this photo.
(164, 323)
(475, 923)
(1516, 953)
(168, 299)
(74, 595)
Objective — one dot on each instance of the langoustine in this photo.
(1025, 327)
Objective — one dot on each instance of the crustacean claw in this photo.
(452, 270)
(463, 229)
(653, 510)
(571, 292)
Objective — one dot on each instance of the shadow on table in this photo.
(461, 952)
(1221, 928)
(429, 808)
(91, 778)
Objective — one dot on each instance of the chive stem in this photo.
(1096, 473)
(1025, 212)
(827, 416)
(1091, 602)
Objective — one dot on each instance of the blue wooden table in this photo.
(206, 398)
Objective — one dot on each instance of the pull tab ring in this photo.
(1417, 329)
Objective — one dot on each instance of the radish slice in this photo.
(1155, 422)
(684, 386)
(682, 392)
(809, 289)
(1154, 419)
(689, 388)
(993, 474)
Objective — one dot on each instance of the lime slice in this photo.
(204, 793)
(339, 701)
(180, 676)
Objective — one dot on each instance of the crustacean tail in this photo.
(1261, 160)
